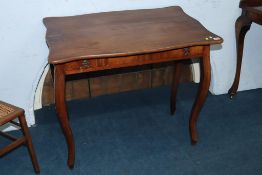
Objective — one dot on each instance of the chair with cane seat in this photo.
(8, 113)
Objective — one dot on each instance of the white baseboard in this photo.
(195, 69)
(39, 90)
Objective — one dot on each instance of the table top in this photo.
(123, 33)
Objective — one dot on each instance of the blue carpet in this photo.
(133, 134)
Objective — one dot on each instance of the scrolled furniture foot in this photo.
(193, 133)
(231, 95)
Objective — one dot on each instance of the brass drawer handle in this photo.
(85, 64)
(186, 51)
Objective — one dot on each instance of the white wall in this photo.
(23, 52)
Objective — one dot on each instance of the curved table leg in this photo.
(202, 93)
(174, 86)
(242, 26)
(61, 109)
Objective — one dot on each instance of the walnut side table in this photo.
(102, 41)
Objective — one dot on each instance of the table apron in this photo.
(99, 64)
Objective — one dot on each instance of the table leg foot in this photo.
(71, 165)
(193, 133)
(193, 142)
(242, 26)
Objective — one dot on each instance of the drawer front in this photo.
(89, 65)
(165, 56)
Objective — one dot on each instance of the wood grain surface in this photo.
(122, 33)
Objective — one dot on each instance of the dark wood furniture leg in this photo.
(29, 143)
(60, 103)
(174, 86)
(202, 93)
(52, 73)
(242, 26)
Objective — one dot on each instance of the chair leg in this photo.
(242, 26)
(29, 143)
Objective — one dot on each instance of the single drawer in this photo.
(158, 57)
(89, 65)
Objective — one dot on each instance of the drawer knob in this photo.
(186, 51)
(85, 64)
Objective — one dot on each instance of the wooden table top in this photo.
(123, 33)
